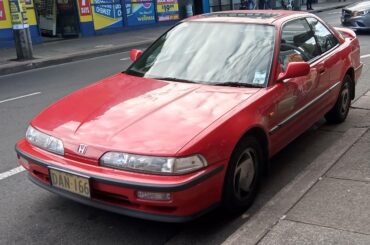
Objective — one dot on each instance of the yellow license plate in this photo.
(70, 182)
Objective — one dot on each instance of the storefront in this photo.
(6, 25)
(223, 5)
(79, 18)
(57, 18)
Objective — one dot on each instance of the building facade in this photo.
(48, 19)
(223, 5)
(51, 19)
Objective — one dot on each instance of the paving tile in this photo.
(355, 118)
(288, 232)
(355, 164)
(337, 203)
(363, 102)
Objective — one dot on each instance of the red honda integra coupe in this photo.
(192, 123)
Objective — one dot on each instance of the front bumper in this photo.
(356, 23)
(192, 195)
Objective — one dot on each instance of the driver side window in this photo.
(297, 43)
(324, 37)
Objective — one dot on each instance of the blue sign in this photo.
(140, 12)
(108, 9)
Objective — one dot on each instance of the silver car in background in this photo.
(357, 16)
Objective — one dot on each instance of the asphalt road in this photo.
(29, 215)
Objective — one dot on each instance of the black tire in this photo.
(340, 110)
(235, 197)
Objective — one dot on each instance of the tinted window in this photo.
(324, 37)
(297, 43)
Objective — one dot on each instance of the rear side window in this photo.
(297, 43)
(325, 38)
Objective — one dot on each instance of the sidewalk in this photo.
(329, 202)
(58, 52)
(68, 50)
(329, 5)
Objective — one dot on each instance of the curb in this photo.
(328, 8)
(87, 54)
(276, 208)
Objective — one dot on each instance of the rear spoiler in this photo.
(346, 33)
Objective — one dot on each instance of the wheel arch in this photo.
(228, 200)
(262, 136)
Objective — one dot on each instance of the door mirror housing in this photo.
(135, 54)
(294, 69)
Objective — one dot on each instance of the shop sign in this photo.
(84, 7)
(140, 12)
(2, 11)
(107, 14)
(18, 13)
(167, 10)
(108, 9)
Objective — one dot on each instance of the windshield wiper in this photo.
(173, 79)
(133, 73)
(237, 84)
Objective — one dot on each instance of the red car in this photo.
(193, 122)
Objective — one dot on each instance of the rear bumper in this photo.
(190, 198)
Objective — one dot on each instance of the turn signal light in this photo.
(24, 161)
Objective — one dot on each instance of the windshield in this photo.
(211, 53)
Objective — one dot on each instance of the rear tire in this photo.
(340, 110)
(243, 175)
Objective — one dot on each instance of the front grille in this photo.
(112, 198)
(81, 159)
(41, 176)
(346, 13)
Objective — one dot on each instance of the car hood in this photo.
(137, 115)
(360, 6)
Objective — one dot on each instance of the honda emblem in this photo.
(82, 149)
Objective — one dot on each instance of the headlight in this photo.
(359, 13)
(151, 164)
(44, 141)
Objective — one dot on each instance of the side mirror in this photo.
(294, 69)
(135, 54)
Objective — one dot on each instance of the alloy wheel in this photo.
(244, 173)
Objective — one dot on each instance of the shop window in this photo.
(221, 5)
(236, 4)
(57, 18)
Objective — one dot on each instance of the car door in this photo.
(292, 97)
(329, 64)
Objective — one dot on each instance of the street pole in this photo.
(22, 37)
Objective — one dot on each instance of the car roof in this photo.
(271, 17)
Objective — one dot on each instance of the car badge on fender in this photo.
(82, 149)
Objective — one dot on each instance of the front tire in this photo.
(243, 175)
(340, 110)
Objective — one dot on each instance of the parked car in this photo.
(357, 16)
(192, 123)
